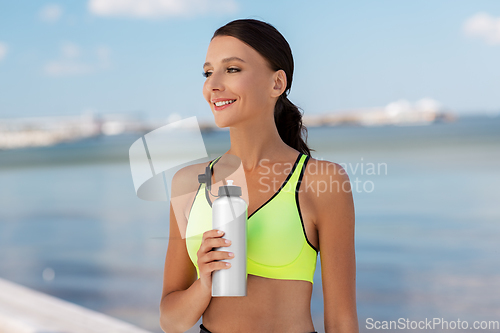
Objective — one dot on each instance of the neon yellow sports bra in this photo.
(277, 245)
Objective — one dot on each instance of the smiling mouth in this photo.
(219, 104)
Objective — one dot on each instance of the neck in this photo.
(256, 141)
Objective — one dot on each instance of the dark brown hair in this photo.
(270, 43)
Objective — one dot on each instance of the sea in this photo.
(427, 206)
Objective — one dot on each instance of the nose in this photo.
(214, 82)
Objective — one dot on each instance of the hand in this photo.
(208, 259)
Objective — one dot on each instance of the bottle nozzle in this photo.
(230, 189)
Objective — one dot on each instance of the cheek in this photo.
(251, 88)
(259, 94)
(205, 93)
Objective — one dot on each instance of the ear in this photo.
(279, 78)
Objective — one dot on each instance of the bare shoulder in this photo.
(184, 187)
(323, 170)
(326, 184)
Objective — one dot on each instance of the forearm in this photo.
(180, 310)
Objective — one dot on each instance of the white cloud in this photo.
(50, 13)
(70, 63)
(160, 8)
(483, 26)
(3, 50)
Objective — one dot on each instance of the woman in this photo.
(248, 70)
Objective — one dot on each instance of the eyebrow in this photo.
(224, 61)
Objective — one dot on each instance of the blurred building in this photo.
(47, 131)
(401, 112)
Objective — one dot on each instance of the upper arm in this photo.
(179, 272)
(335, 223)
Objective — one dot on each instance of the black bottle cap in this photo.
(230, 190)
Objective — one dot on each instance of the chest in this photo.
(265, 189)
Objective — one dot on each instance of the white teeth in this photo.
(224, 103)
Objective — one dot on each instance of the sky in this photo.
(146, 56)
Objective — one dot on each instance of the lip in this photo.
(219, 108)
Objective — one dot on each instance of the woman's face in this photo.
(236, 72)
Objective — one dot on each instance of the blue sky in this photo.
(69, 57)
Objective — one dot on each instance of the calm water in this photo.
(427, 224)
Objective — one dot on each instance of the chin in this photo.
(223, 124)
(225, 120)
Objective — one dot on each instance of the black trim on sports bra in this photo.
(297, 201)
(282, 185)
(275, 194)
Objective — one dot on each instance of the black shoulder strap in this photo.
(210, 173)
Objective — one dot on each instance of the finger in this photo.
(216, 265)
(212, 233)
(219, 255)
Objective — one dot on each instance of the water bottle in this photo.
(229, 214)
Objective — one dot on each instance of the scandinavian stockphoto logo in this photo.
(158, 155)
(325, 177)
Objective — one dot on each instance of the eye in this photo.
(230, 69)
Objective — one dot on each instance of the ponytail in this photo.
(288, 121)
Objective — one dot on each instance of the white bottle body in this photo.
(229, 214)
